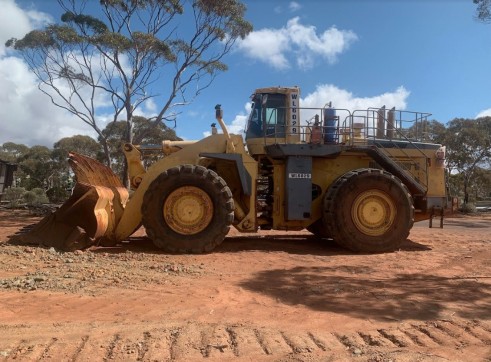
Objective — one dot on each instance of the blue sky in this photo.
(430, 56)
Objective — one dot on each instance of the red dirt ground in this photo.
(272, 296)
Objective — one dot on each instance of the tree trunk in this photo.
(128, 139)
(125, 177)
(466, 194)
(107, 154)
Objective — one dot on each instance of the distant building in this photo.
(6, 176)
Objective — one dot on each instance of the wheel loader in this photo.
(359, 177)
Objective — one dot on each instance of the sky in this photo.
(419, 55)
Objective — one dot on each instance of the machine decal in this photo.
(299, 175)
(294, 112)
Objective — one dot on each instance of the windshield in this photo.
(271, 107)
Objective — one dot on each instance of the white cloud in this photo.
(328, 45)
(192, 114)
(275, 46)
(294, 6)
(484, 113)
(26, 115)
(15, 22)
(343, 99)
(150, 105)
(267, 45)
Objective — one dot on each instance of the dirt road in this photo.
(267, 297)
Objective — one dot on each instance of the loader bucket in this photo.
(88, 216)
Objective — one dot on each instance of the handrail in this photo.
(381, 133)
(383, 128)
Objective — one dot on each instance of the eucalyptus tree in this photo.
(144, 133)
(432, 131)
(61, 181)
(468, 144)
(79, 143)
(12, 152)
(483, 10)
(112, 56)
(37, 167)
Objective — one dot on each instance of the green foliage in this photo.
(480, 187)
(432, 131)
(36, 39)
(483, 10)
(37, 164)
(148, 43)
(468, 208)
(30, 198)
(12, 152)
(40, 168)
(62, 34)
(435, 132)
(19, 195)
(35, 197)
(14, 195)
(113, 41)
(79, 143)
(468, 144)
(85, 21)
(231, 11)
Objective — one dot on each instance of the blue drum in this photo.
(330, 125)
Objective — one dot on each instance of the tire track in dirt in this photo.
(215, 341)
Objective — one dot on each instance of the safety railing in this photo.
(386, 129)
(390, 129)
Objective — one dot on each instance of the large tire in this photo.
(188, 209)
(319, 229)
(368, 210)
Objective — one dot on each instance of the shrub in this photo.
(35, 197)
(468, 208)
(14, 195)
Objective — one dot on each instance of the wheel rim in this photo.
(188, 210)
(373, 212)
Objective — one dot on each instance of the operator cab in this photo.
(267, 118)
(273, 119)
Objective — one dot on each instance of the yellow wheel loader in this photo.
(359, 177)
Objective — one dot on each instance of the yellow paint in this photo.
(188, 210)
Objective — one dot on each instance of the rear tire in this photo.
(368, 210)
(188, 209)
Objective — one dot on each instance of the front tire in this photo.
(368, 210)
(319, 229)
(188, 209)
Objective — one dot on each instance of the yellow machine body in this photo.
(359, 177)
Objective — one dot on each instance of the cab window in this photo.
(268, 116)
(275, 113)
(255, 123)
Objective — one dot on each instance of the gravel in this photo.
(28, 269)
